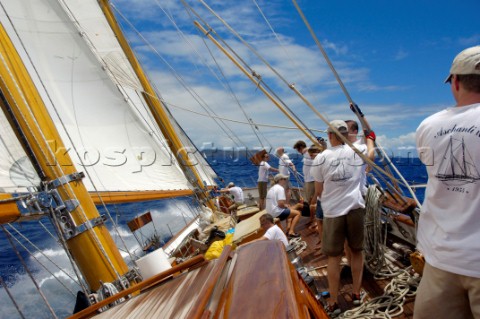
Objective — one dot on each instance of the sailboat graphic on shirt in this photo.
(457, 166)
(341, 174)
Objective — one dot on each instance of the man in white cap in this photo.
(338, 174)
(449, 226)
(277, 205)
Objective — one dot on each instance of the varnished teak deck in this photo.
(313, 258)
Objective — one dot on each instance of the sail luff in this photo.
(45, 142)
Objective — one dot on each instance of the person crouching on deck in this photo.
(338, 173)
(277, 205)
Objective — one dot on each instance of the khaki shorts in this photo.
(309, 190)
(262, 190)
(443, 294)
(337, 229)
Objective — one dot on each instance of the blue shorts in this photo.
(284, 214)
(319, 211)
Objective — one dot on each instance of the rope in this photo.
(402, 284)
(390, 304)
(373, 245)
(298, 244)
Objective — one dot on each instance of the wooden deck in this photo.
(313, 259)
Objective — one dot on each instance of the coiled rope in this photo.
(403, 285)
(298, 244)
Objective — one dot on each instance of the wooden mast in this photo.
(92, 247)
(157, 108)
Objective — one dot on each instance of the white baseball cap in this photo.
(340, 125)
(466, 62)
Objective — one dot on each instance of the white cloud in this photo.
(299, 63)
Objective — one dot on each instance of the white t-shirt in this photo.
(275, 233)
(449, 227)
(284, 163)
(307, 165)
(339, 168)
(274, 194)
(363, 185)
(237, 193)
(263, 171)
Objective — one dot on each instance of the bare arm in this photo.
(318, 192)
(282, 203)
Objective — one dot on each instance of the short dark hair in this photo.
(353, 125)
(299, 144)
(471, 82)
(267, 217)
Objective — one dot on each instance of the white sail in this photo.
(104, 124)
(16, 170)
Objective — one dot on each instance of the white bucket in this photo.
(153, 263)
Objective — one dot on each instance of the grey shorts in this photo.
(337, 229)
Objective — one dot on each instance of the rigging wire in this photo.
(292, 61)
(11, 297)
(225, 81)
(255, 52)
(293, 117)
(179, 78)
(28, 271)
(349, 98)
(59, 171)
(292, 86)
(242, 122)
(44, 255)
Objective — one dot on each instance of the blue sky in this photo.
(391, 56)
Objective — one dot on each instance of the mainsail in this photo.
(93, 95)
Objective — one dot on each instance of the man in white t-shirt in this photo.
(277, 206)
(449, 226)
(237, 194)
(272, 231)
(285, 164)
(263, 169)
(337, 174)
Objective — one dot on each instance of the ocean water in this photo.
(169, 217)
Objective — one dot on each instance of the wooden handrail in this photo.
(88, 312)
(205, 294)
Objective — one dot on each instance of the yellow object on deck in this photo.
(216, 248)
